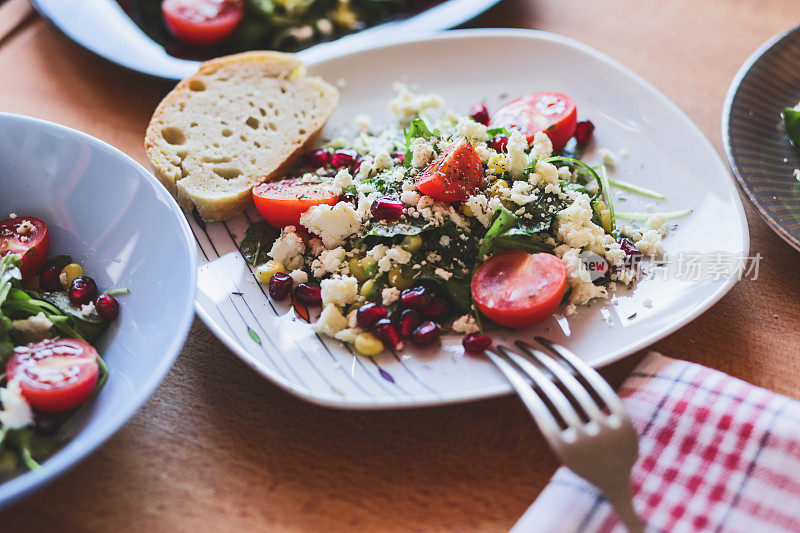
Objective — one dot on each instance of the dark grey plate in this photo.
(756, 144)
(102, 27)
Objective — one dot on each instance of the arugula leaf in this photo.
(494, 132)
(417, 128)
(791, 119)
(455, 290)
(503, 221)
(76, 324)
(10, 275)
(257, 242)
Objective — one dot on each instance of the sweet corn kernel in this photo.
(467, 210)
(357, 270)
(70, 272)
(398, 280)
(411, 243)
(370, 266)
(368, 344)
(497, 186)
(498, 164)
(265, 272)
(366, 288)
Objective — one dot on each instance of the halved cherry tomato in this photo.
(518, 289)
(282, 202)
(55, 375)
(202, 22)
(453, 174)
(28, 237)
(553, 113)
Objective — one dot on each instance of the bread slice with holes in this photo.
(239, 121)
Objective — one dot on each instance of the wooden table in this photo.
(217, 447)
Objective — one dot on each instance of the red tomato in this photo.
(202, 22)
(33, 243)
(453, 174)
(55, 375)
(517, 289)
(553, 113)
(282, 202)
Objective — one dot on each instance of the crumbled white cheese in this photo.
(394, 255)
(328, 261)
(465, 324)
(658, 223)
(325, 27)
(607, 156)
(407, 105)
(518, 159)
(444, 241)
(298, 277)
(410, 198)
(542, 146)
(442, 273)
(483, 208)
(343, 178)
(797, 174)
(331, 321)
(471, 130)
(348, 335)
(363, 122)
(288, 249)
(650, 243)
(24, 227)
(339, 290)
(331, 223)
(87, 309)
(422, 152)
(484, 152)
(16, 412)
(648, 303)
(301, 33)
(390, 295)
(33, 328)
(12, 216)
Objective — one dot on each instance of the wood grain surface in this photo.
(218, 448)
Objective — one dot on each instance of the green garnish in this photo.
(638, 190)
(791, 119)
(644, 216)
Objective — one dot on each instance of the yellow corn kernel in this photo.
(367, 287)
(467, 210)
(370, 266)
(356, 270)
(69, 273)
(398, 280)
(368, 344)
(411, 243)
(265, 272)
(498, 164)
(497, 187)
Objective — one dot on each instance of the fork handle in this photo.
(622, 500)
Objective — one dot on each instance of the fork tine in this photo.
(574, 386)
(595, 380)
(539, 411)
(556, 397)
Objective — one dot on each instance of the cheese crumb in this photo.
(390, 295)
(331, 223)
(33, 328)
(16, 412)
(288, 249)
(331, 321)
(339, 290)
(465, 324)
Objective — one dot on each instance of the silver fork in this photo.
(596, 440)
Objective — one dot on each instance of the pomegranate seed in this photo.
(632, 253)
(426, 333)
(308, 294)
(48, 280)
(409, 320)
(386, 208)
(384, 329)
(350, 198)
(82, 291)
(400, 156)
(280, 285)
(356, 165)
(107, 307)
(344, 158)
(476, 343)
(438, 308)
(417, 298)
(499, 144)
(317, 159)
(479, 113)
(583, 131)
(369, 314)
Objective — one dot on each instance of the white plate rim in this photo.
(332, 401)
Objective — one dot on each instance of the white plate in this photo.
(665, 150)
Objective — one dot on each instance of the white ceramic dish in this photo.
(112, 216)
(665, 150)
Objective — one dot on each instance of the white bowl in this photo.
(116, 220)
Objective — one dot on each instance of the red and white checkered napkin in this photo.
(715, 454)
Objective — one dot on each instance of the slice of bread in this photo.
(239, 121)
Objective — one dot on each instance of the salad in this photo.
(448, 223)
(238, 25)
(51, 314)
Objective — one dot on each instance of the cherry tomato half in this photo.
(282, 202)
(55, 375)
(553, 113)
(28, 237)
(453, 174)
(518, 289)
(202, 22)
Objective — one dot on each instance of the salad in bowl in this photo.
(448, 223)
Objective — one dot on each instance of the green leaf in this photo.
(257, 242)
(494, 132)
(253, 335)
(79, 326)
(503, 221)
(417, 128)
(791, 119)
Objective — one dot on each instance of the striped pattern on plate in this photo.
(756, 143)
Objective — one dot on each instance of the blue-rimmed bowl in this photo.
(115, 219)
